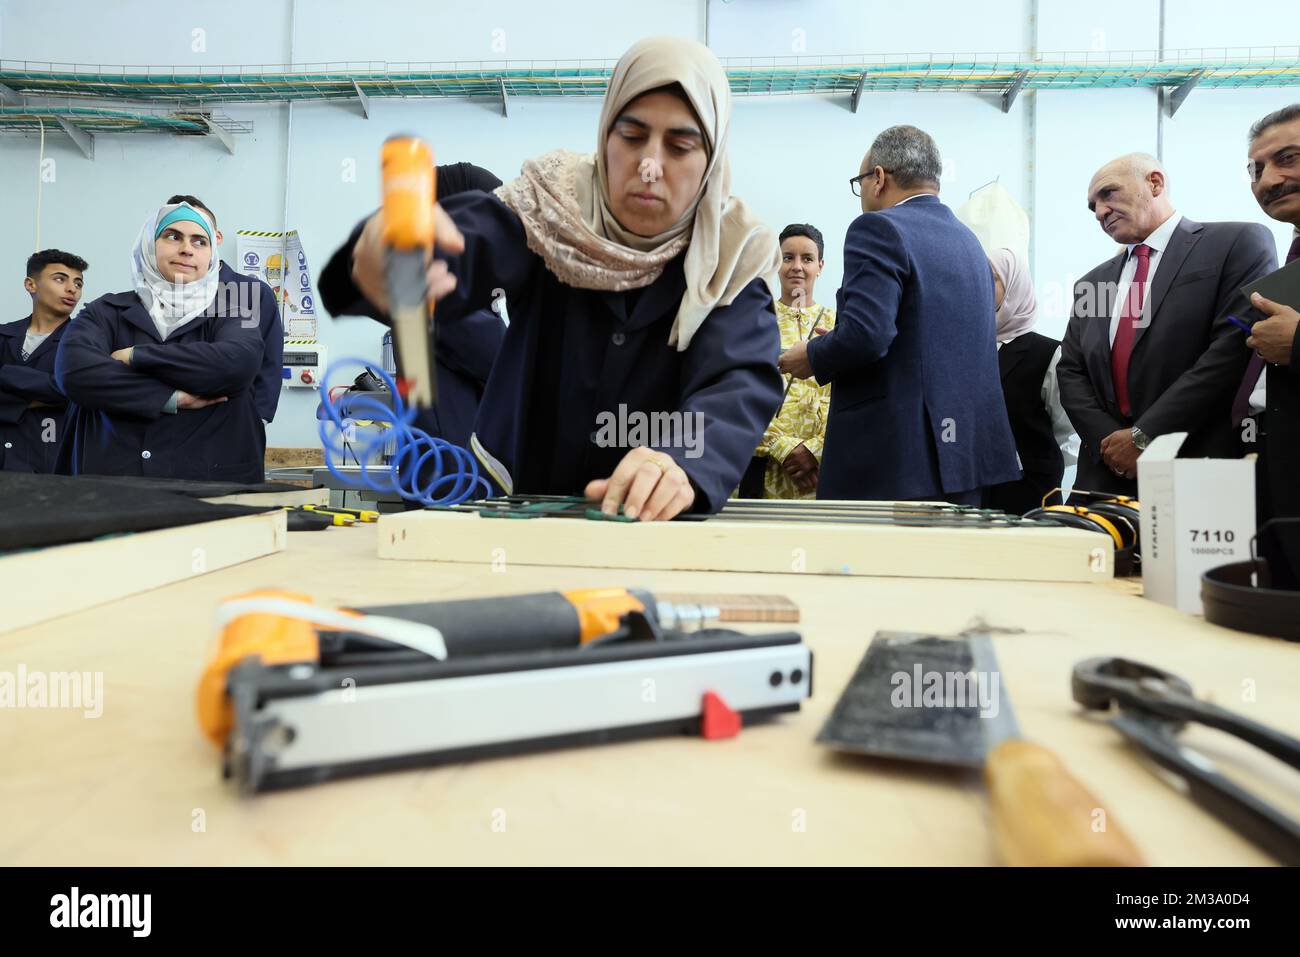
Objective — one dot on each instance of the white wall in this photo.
(744, 28)
(790, 156)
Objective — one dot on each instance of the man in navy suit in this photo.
(916, 404)
(1270, 390)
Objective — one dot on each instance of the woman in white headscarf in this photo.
(639, 368)
(1045, 439)
(160, 377)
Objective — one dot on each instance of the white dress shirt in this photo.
(1158, 241)
(1062, 429)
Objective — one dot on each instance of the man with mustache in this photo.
(1275, 180)
(1149, 348)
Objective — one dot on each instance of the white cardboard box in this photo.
(1196, 514)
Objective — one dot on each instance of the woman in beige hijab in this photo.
(1045, 441)
(639, 368)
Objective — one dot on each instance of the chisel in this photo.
(944, 701)
(1042, 815)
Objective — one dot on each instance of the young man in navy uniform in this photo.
(32, 409)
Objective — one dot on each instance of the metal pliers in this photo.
(1154, 706)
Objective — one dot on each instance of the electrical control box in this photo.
(304, 363)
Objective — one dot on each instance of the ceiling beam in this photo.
(1179, 93)
(857, 93)
(362, 99)
(85, 141)
(1013, 91)
(225, 138)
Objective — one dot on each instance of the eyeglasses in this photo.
(855, 183)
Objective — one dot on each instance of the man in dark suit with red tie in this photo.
(1275, 180)
(1149, 348)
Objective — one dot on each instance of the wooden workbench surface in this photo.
(134, 785)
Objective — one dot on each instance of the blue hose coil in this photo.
(455, 477)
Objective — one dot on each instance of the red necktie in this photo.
(1255, 368)
(1121, 349)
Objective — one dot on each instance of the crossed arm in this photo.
(146, 381)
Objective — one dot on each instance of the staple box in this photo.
(1196, 514)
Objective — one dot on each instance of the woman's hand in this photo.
(368, 259)
(648, 484)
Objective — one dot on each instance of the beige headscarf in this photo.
(1019, 307)
(563, 199)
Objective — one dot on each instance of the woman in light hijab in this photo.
(639, 368)
(1045, 439)
(160, 377)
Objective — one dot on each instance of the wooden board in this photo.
(140, 785)
(306, 496)
(52, 582)
(1015, 554)
(281, 457)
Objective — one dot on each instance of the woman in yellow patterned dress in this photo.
(792, 445)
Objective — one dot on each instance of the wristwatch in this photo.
(1140, 439)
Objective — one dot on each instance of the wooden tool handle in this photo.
(1043, 817)
(732, 607)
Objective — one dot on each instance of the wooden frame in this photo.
(306, 496)
(818, 548)
(57, 581)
